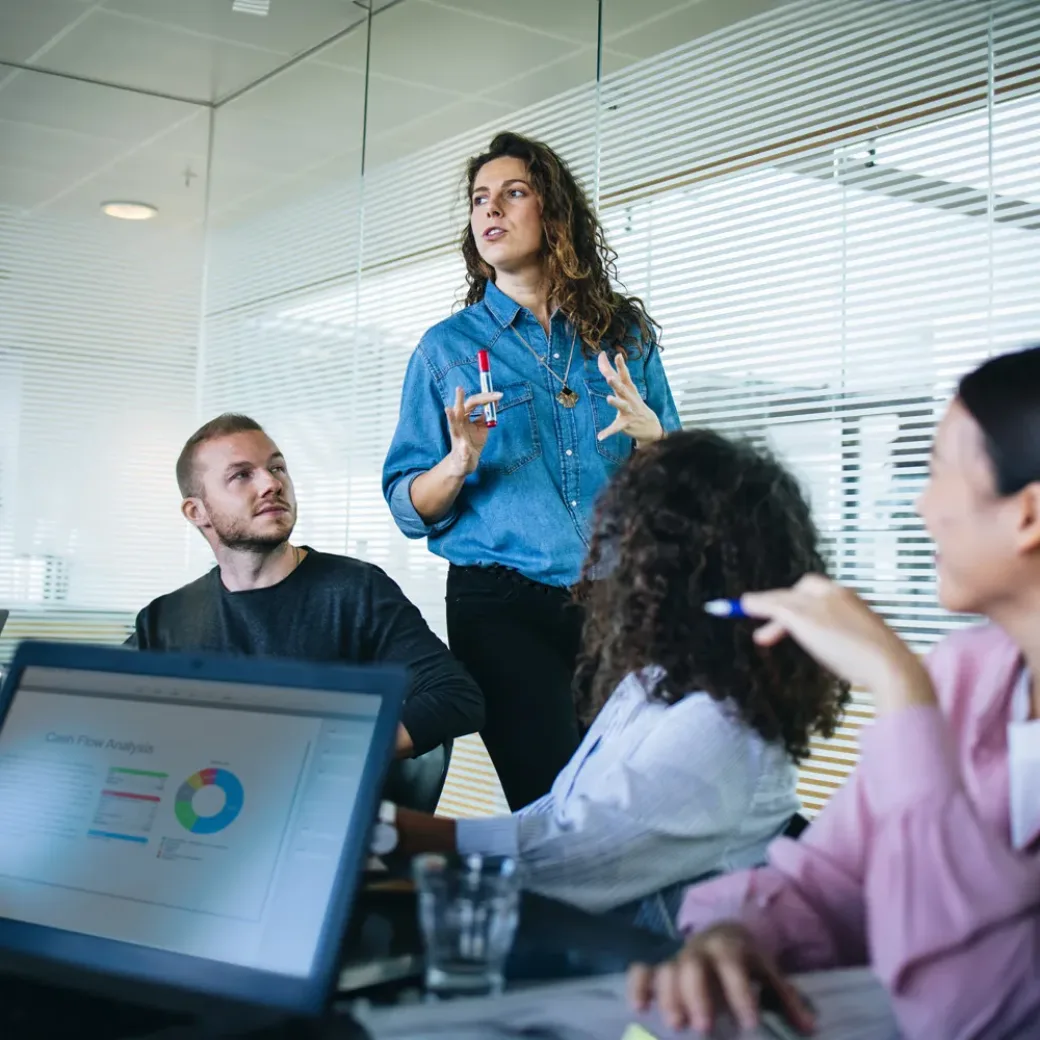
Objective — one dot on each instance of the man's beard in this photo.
(233, 533)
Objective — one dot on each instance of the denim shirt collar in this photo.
(503, 309)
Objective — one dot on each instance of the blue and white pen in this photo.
(724, 608)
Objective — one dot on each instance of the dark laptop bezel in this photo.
(4, 615)
(138, 974)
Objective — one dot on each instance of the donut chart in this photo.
(184, 809)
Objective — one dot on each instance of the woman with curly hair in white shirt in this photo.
(689, 765)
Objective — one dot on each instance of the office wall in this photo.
(323, 280)
(99, 324)
(831, 206)
(827, 205)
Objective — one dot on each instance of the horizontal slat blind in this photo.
(832, 208)
(99, 327)
(837, 216)
(313, 342)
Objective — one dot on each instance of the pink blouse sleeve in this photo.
(901, 863)
(807, 906)
(953, 912)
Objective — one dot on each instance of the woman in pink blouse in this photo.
(926, 865)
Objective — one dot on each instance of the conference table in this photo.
(851, 1005)
(564, 981)
(383, 950)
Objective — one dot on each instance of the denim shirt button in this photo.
(574, 504)
(568, 452)
(557, 356)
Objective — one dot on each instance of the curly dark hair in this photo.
(692, 518)
(579, 265)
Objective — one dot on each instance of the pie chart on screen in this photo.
(208, 801)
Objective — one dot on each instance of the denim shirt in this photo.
(530, 501)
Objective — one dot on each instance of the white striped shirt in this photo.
(656, 794)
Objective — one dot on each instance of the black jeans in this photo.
(520, 641)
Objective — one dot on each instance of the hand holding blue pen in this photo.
(725, 608)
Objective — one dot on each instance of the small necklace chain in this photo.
(567, 397)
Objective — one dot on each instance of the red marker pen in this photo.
(486, 387)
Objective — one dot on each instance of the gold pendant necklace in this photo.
(566, 397)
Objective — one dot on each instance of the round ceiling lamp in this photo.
(129, 210)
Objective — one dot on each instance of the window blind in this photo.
(98, 334)
(832, 208)
(315, 306)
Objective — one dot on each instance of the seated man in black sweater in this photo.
(267, 596)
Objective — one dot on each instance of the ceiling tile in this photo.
(350, 52)
(61, 104)
(397, 137)
(341, 167)
(290, 27)
(24, 188)
(621, 16)
(687, 22)
(546, 81)
(278, 147)
(190, 137)
(574, 21)
(148, 57)
(54, 153)
(450, 50)
(138, 178)
(232, 184)
(328, 99)
(26, 25)
(615, 61)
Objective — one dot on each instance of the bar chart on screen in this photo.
(127, 804)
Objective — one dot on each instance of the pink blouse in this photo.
(910, 867)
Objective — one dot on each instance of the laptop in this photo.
(182, 835)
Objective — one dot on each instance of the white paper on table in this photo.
(850, 1005)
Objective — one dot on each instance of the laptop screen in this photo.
(194, 816)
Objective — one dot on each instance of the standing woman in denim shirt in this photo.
(578, 386)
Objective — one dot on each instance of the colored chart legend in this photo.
(127, 805)
(218, 790)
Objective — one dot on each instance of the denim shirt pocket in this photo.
(514, 442)
(618, 447)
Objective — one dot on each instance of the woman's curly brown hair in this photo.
(579, 265)
(693, 518)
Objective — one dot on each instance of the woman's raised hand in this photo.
(468, 436)
(635, 417)
(831, 623)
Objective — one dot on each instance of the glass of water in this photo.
(468, 910)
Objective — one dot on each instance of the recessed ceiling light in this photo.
(129, 210)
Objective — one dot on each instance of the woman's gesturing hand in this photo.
(718, 969)
(468, 437)
(635, 417)
(836, 627)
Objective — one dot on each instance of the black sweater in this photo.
(330, 608)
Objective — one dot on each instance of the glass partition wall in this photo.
(831, 206)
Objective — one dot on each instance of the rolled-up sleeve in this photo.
(420, 441)
(659, 393)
